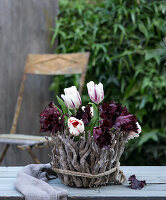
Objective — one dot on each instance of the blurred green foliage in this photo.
(120, 35)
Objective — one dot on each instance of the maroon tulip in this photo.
(113, 115)
(51, 120)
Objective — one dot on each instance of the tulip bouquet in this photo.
(88, 141)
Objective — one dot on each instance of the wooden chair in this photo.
(46, 64)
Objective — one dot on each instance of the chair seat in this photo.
(19, 139)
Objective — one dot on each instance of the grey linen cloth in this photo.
(31, 182)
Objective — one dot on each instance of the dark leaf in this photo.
(135, 183)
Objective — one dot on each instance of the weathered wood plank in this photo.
(152, 174)
(116, 191)
(7, 184)
(23, 137)
(23, 29)
(19, 139)
(56, 64)
(153, 191)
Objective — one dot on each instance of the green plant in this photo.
(120, 35)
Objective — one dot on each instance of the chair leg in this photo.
(4, 153)
(34, 158)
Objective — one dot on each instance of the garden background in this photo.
(122, 37)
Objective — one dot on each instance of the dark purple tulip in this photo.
(113, 115)
(84, 114)
(51, 120)
(102, 137)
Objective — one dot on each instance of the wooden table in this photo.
(154, 176)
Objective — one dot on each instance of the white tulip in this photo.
(72, 97)
(75, 126)
(132, 134)
(95, 91)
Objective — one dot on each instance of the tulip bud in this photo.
(72, 97)
(95, 92)
(75, 126)
(132, 134)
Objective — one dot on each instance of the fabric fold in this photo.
(32, 183)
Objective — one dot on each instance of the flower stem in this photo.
(98, 115)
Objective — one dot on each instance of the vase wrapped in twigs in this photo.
(88, 142)
(84, 164)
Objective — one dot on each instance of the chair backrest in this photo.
(51, 64)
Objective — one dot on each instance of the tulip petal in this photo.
(68, 101)
(70, 90)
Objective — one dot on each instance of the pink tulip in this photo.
(95, 91)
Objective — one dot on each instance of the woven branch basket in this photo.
(84, 164)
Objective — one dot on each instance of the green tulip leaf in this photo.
(94, 120)
(63, 105)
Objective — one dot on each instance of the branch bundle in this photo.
(85, 157)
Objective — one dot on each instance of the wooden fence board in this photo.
(23, 29)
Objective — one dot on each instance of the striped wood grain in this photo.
(155, 189)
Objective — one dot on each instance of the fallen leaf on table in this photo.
(135, 183)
